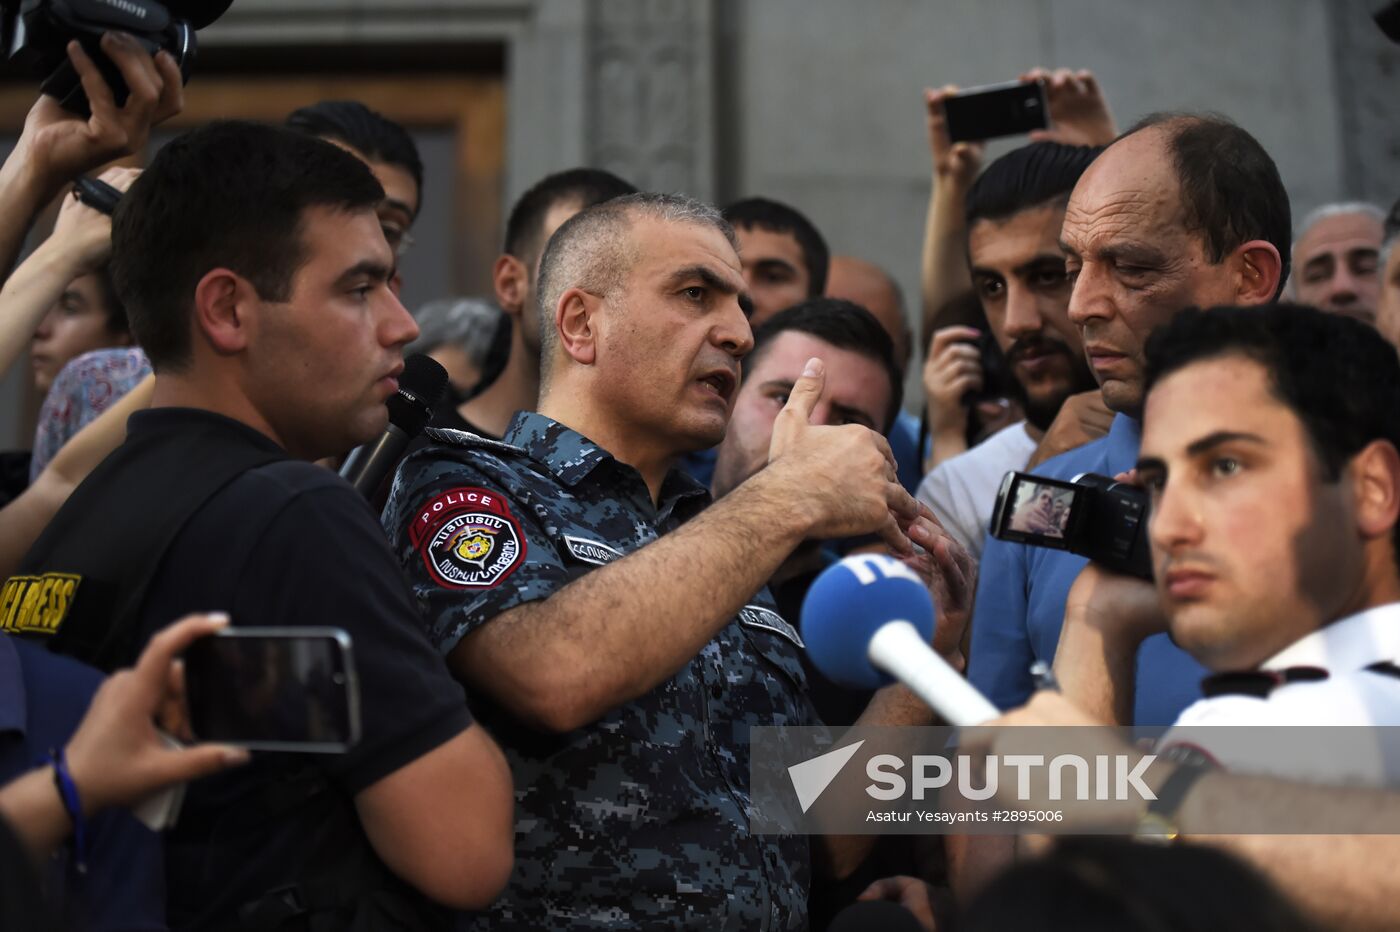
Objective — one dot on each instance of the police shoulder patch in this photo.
(467, 538)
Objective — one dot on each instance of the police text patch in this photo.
(468, 538)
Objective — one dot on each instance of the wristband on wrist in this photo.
(68, 792)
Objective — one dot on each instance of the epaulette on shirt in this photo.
(1260, 683)
(466, 440)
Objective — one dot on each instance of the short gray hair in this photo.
(470, 323)
(1339, 209)
(594, 250)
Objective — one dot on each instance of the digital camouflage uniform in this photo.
(640, 819)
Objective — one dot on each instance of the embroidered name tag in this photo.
(756, 616)
(591, 551)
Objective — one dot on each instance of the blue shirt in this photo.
(42, 699)
(904, 444)
(1021, 596)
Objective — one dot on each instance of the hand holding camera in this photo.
(117, 756)
(953, 163)
(56, 146)
(952, 370)
(1093, 516)
(1079, 114)
(82, 236)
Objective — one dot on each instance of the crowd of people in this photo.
(581, 590)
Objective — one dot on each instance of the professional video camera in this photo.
(1093, 516)
(36, 34)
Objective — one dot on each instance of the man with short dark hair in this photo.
(1182, 210)
(1274, 474)
(383, 145)
(534, 218)
(1264, 428)
(257, 275)
(616, 628)
(785, 258)
(1015, 211)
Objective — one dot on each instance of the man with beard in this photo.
(1014, 214)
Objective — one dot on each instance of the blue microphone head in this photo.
(848, 603)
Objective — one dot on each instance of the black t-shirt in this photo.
(291, 544)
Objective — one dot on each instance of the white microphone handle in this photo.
(901, 651)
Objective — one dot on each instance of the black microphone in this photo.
(420, 387)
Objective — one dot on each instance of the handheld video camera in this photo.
(1092, 516)
(36, 34)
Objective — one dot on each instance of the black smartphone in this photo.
(1009, 109)
(274, 689)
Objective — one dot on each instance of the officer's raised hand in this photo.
(841, 478)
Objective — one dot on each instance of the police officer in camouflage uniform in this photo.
(611, 628)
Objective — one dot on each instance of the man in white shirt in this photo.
(1269, 449)
(1014, 213)
(1271, 452)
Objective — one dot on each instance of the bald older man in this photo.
(868, 285)
(1181, 211)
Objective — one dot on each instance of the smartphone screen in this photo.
(996, 110)
(274, 689)
(1034, 510)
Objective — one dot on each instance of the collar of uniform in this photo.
(159, 420)
(571, 457)
(566, 453)
(13, 712)
(1347, 644)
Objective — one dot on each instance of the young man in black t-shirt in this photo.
(259, 280)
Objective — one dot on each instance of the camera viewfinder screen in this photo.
(1040, 509)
